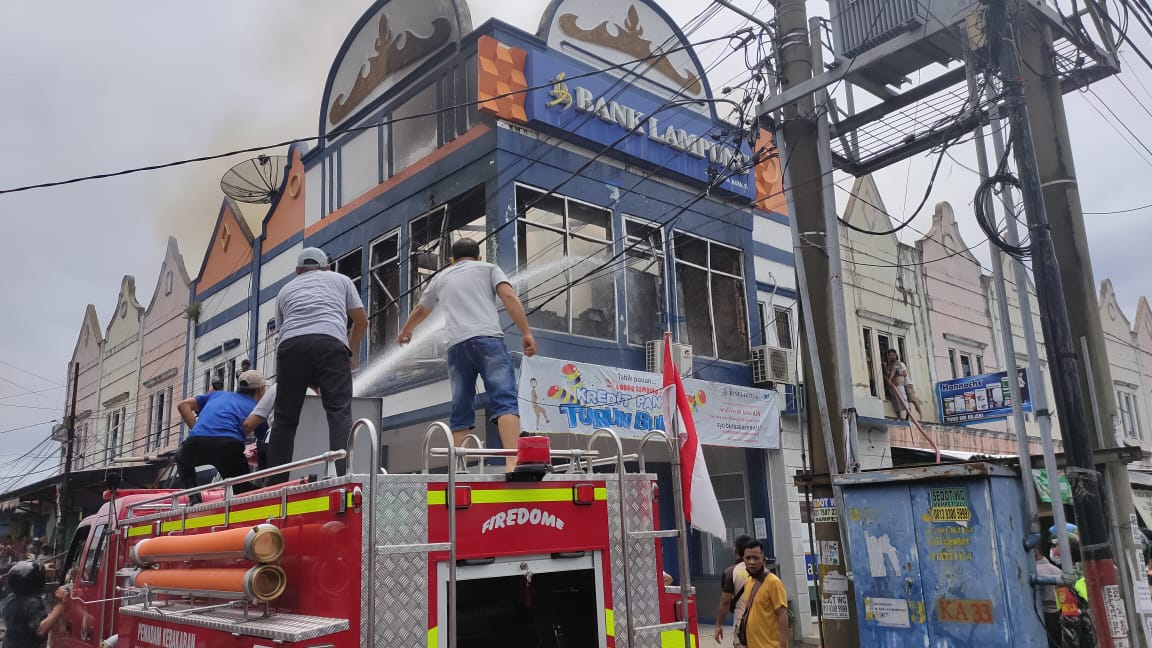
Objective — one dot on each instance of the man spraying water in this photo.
(467, 292)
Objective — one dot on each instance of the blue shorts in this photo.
(488, 358)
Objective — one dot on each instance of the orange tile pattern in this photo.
(501, 72)
(770, 177)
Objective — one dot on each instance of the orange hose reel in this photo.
(260, 583)
(262, 543)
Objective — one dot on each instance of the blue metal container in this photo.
(938, 558)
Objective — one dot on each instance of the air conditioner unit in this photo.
(773, 364)
(654, 357)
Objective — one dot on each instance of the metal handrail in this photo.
(373, 473)
(450, 498)
(330, 457)
(624, 541)
(464, 446)
(644, 441)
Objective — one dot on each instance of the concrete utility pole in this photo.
(1104, 592)
(69, 446)
(806, 194)
(1062, 202)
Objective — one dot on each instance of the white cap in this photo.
(311, 258)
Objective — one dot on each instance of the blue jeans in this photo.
(488, 358)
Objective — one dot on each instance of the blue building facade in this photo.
(590, 159)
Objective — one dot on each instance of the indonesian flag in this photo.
(701, 510)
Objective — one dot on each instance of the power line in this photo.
(342, 131)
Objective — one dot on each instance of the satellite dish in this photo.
(255, 180)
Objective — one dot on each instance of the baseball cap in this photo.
(312, 257)
(251, 379)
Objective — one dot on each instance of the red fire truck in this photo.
(460, 558)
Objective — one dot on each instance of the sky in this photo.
(97, 87)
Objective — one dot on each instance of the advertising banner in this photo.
(561, 396)
(980, 398)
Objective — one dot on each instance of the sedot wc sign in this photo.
(562, 396)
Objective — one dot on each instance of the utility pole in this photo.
(69, 445)
(806, 191)
(1104, 593)
(1062, 201)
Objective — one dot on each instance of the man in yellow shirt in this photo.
(765, 623)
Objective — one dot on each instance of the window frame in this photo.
(625, 219)
(709, 243)
(567, 235)
(97, 545)
(375, 310)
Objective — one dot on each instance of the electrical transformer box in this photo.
(938, 558)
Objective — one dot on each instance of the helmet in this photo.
(26, 577)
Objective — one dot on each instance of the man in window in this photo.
(467, 291)
(216, 431)
(896, 377)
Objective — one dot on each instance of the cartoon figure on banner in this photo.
(697, 400)
(536, 408)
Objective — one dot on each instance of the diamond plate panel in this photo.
(642, 590)
(401, 601)
(400, 582)
(402, 513)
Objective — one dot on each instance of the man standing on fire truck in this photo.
(315, 347)
(467, 291)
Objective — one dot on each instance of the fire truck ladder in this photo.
(580, 461)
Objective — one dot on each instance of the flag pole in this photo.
(681, 523)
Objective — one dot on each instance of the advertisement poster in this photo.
(560, 396)
(986, 397)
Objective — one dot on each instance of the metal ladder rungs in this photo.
(426, 547)
(648, 535)
(663, 627)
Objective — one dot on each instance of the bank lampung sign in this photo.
(562, 396)
(986, 397)
(610, 112)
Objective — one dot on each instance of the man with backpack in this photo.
(732, 591)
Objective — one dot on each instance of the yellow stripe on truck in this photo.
(674, 639)
(300, 507)
(610, 621)
(432, 637)
(515, 496)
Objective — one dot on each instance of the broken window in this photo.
(349, 265)
(565, 255)
(432, 234)
(384, 293)
(644, 281)
(710, 291)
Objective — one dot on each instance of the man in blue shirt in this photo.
(216, 435)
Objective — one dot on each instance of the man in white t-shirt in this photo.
(467, 291)
(315, 347)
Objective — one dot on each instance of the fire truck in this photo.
(556, 554)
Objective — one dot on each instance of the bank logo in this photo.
(560, 93)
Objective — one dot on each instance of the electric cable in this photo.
(341, 131)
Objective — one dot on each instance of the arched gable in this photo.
(229, 249)
(384, 48)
